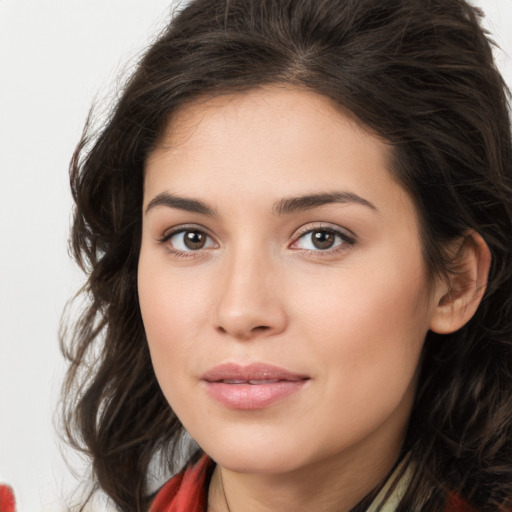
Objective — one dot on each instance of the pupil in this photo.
(194, 240)
(323, 239)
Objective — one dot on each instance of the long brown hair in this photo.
(418, 73)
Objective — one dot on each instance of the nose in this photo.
(250, 302)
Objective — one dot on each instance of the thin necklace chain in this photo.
(223, 490)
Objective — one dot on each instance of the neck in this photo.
(329, 486)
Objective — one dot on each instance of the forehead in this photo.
(285, 109)
(277, 138)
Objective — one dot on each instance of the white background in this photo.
(56, 56)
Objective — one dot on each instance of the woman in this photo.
(297, 229)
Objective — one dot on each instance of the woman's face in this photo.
(281, 282)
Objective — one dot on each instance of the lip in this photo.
(253, 386)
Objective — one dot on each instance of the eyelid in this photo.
(348, 237)
(169, 232)
(176, 230)
(327, 226)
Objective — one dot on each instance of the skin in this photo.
(352, 317)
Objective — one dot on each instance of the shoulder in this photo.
(186, 491)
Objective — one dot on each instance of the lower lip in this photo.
(252, 396)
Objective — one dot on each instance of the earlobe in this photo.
(459, 295)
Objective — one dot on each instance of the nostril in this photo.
(260, 328)
(243, 332)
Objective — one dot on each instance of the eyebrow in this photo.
(282, 207)
(307, 202)
(181, 203)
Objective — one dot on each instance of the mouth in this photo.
(254, 386)
(254, 382)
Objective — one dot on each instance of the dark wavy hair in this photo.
(420, 74)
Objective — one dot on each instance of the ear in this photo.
(458, 296)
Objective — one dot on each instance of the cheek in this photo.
(366, 342)
(172, 308)
(368, 327)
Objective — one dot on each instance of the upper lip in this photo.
(250, 372)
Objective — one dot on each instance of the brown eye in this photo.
(188, 240)
(323, 239)
(194, 240)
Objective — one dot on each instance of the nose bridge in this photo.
(249, 301)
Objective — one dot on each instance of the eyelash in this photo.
(164, 240)
(346, 240)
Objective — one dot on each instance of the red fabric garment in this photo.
(7, 503)
(188, 492)
(455, 504)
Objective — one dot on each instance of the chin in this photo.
(250, 456)
(262, 465)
